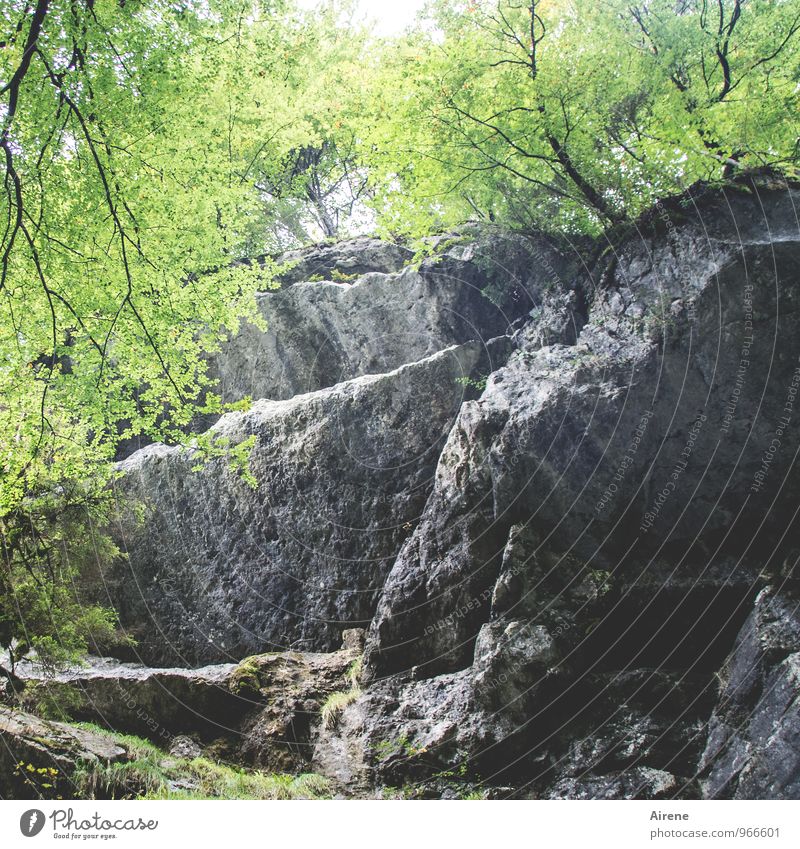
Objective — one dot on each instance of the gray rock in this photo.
(353, 639)
(396, 732)
(593, 499)
(216, 569)
(606, 449)
(29, 745)
(753, 748)
(185, 747)
(264, 712)
(322, 332)
(557, 564)
(288, 691)
(348, 257)
(635, 783)
(151, 702)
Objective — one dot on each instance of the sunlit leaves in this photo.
(634, 94)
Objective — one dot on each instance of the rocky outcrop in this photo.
(264, 712)
(289, 691)
(218, 570)
(150, 702)
(219, 566)
(600, 516)
(38, 758)
(554, 538)
(607, 695)
(651, 431)
(349, 258)
(353, 309)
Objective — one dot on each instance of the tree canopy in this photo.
(579, 115)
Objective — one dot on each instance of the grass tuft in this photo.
(335, 704)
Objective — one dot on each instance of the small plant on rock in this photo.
(335, 703)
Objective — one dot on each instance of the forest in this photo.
(159, 156)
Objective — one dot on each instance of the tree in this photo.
(145, 147)
(119, 192)
(309, 166)
(136, 140)
(323, 179)
(579, 115)
(49, 551)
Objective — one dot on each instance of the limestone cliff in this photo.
(557, 486)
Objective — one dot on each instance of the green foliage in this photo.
(151, 773)
(353, 673)
(476, 383)
(120, 198)
(217, 781)
(341, 277)
(49, 584)
(54, 700)
(39, 782)
(334, 705)
(401, 747)
(211, 445)
(575, 116)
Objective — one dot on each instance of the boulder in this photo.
(264, 712)
(663, 432)
(149, 702)
(38, 758)
(354, 309)
(220, 565)
(601, 520)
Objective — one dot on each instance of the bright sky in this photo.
(389, 16)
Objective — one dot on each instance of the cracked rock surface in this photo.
(559, 493)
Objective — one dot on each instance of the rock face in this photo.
(353, 309)
(34, 752)
(264, 712)
(349, 258)
(598, 449)
(554, 538)
(155, 703)
(219, 568)
(753, 749)
(342, 473)
(599, 521)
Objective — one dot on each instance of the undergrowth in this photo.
(151, 773)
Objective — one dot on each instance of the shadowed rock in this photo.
(753, 748)
(34, 752)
